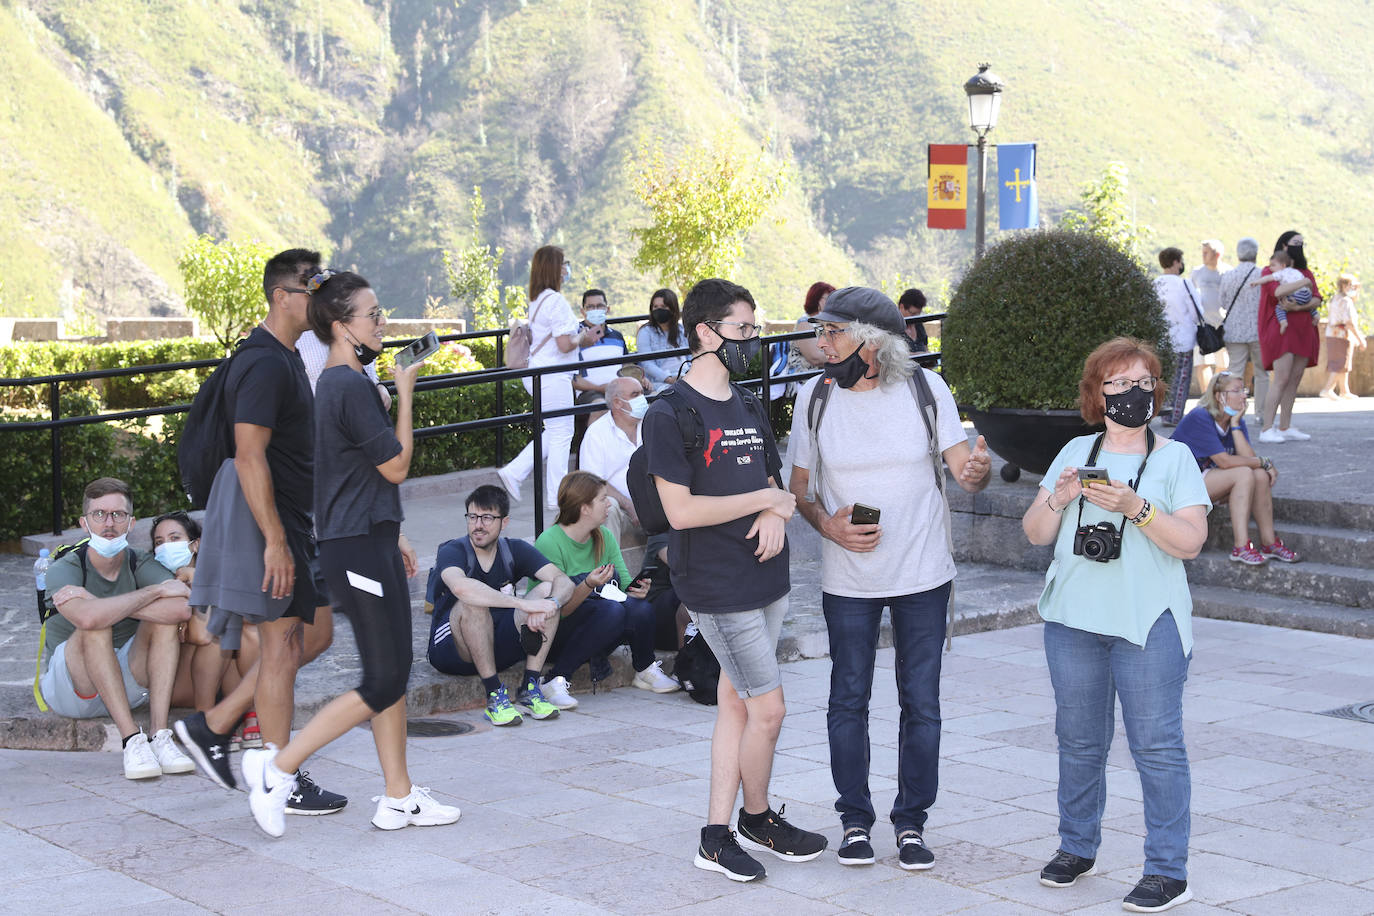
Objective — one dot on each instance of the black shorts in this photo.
(443, 651)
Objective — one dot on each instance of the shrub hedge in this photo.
(1024, 318)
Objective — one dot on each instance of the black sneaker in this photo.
(309, 798)
(912, 852)
(209, 750)
(1155, 894)
(768, 832)
(855, 848)
(719, 851)
(1065, 869)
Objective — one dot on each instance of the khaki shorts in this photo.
(60, 693)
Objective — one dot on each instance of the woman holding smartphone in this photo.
(360, 462)
(1119, 625)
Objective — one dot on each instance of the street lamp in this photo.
(984, 91)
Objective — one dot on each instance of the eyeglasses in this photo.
(750, 331)
(1123, 385)
(293, 289)
(829, 333)
(376, 315)
(114, 515)
(483, 518)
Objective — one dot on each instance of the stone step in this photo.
(1339, 546)
(1247, 606)
(1333, 513)
(1322, 582)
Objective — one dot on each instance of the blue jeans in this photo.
(597, 627)
(918, 630)
(1089, 672)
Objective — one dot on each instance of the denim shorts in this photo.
(746, 645)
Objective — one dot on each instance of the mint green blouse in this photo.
(1123, 597)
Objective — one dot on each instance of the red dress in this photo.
(1301, 338)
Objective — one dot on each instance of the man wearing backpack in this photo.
(257, 554)
(480, 625)
(728, 553)
(880, 413)
(113, 643)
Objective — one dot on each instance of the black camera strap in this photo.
(1139, 474)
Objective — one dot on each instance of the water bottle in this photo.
(40, 578)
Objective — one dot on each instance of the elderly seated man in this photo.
(112, 644)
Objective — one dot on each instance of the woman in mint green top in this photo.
(599, 616)
(1121, 626)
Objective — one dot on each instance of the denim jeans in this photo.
(918, 632)
(1089, 671)
(597, 627)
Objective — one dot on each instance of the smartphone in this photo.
(1087, 476)
(530, 640)
(417, 351)
(864, 515)
(647, 573)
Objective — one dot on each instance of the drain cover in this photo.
(437, 728)
(1360, 712)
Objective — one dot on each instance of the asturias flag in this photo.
(947, 186)
(1018, 206)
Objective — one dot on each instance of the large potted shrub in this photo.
(1020, 324)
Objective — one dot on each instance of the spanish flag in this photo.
(947, 186)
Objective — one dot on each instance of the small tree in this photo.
(224, 285)
(702, 206)
(1107, 211)
(474, 276)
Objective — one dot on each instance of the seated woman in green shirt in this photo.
(599, 616)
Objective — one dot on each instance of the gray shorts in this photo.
(746, 645)
(60, 693)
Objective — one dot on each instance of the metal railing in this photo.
(498, 376)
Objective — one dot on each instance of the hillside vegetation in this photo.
(361, 126)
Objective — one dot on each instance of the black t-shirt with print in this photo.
(714, 570)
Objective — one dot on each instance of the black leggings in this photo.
(381, 623)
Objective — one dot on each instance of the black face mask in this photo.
(1133, 409)
(365, 353)
(736, 354)
(849, 370)
(660, 316)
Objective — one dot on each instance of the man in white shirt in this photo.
(1207, 279)
(1177, 295)
(314, 353)
(607, 447)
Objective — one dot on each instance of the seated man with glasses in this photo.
(113, 644)
(481, 626)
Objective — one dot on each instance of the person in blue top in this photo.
(663, 331)
(1216, 433)
(1118, 617)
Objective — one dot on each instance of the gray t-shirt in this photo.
(875, 452)
(353, 435)
(137, 569)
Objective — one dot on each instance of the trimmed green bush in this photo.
(1025, 317)
(59, 357)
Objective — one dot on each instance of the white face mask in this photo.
(596, 316)
(567, 272)
(639, 406)
(173, 554)
(108, 547)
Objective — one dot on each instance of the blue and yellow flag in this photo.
(1018, 205)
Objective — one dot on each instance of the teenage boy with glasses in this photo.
(478, 619)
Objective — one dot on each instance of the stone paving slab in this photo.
(597, 811)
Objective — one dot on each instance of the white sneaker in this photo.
(1294, 434)
(509, 483)
(139, 762)
(555, 690)
(417, 808)
(653, 678)
(1272, 436)
(169, 757)
(268, 789)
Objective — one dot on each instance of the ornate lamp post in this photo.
(984, 91)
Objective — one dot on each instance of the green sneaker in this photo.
(531, 701)
(499, 708)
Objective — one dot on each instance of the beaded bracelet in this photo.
(1146, 513)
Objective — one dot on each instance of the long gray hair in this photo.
(893, 357)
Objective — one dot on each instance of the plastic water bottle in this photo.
(40, 578)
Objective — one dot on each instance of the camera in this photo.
(1100, 542)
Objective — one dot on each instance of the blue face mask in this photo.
(639, 406)
(1231, 411)
(173, 554)
(108, 547)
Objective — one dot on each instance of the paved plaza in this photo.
(598, 811)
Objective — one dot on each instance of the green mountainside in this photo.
(361, 126)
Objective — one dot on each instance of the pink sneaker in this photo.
(1277, 551)
(1247, 555)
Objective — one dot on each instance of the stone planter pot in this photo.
(1027, 438)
